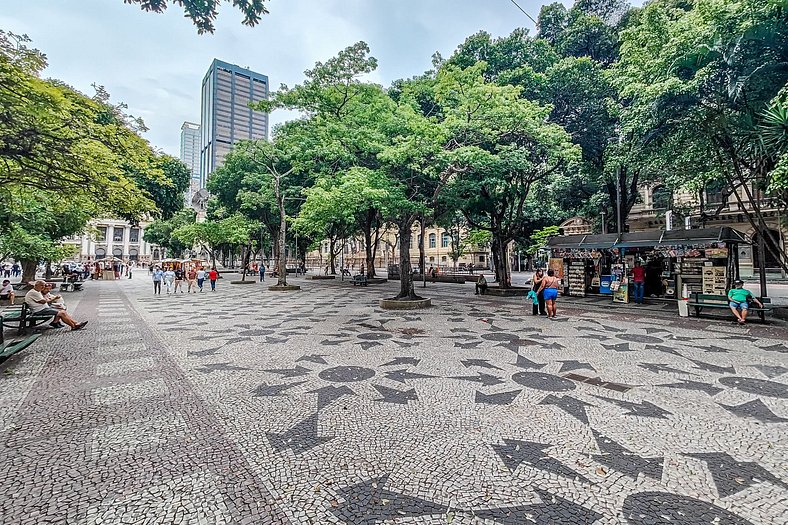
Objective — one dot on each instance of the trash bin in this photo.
(684, 302)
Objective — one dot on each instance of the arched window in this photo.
(660, 198)
(433, 240)
(445, 240)
(101, 253)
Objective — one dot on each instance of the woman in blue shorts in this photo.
(549, 291)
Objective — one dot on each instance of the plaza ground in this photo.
(251, 406)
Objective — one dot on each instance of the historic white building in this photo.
(105, 238)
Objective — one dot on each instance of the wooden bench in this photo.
(22, 318)
(699, 301)
(360, 280)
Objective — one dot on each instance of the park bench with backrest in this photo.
(699, 301)
(20, 317)
(360, 280)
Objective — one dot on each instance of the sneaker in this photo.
(80, 326)
(57, 325)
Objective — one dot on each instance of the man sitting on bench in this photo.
(7, 291)
(739, 301)
(481, 285)
(41, 306)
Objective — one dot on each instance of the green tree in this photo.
(209, 235)
(167, 190)
(160, 232)
(55, 139)
(701, 76)
(505, 150)
(203, 12)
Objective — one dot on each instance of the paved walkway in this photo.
(248, 406)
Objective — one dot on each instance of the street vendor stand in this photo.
(705, 260)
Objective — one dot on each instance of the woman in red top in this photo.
(212, 276)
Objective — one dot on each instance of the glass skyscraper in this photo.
(226, 117)
(190, 155)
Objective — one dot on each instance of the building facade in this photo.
(437, 251)
(226, 117)
(105, 238)
(190, 155)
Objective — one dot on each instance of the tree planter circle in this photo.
(405, 304)
(288, 288)
(241, 282)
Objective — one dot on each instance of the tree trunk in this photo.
(501, 263)
(332, 255)
(247, 253)
(28, 271)
(368, 220)
(405, 272)
(375, 242)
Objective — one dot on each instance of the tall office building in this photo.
(226, 118)
(190, 155)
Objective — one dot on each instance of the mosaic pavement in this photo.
(251, 407)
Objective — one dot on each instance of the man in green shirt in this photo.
(739, 301)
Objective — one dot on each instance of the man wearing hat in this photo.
(740, 299)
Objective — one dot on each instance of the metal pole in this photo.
(619, 227)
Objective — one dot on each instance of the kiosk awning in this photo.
(649, 239)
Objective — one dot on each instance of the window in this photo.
(419, 240)
(100, 253)
(134, 235)
(433, 240)
(101, 236)
(133, 255)
(443, 259)
(117, 252)
(432, 259)
(660, 198)
(444, 240)
(117, 234)
(715, 195)
(481, 258)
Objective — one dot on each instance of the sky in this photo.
(155, 62)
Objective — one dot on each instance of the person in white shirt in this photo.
(39, 304)
(200, 278)
(57, 300)
(7, 291)
(169, 279)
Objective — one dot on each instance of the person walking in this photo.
(169, 278)
(179, 276)
(200, 278)
(212, 276)
(536, 287)
(549, 289)
(639, 282)
(158, 276)
(262, 272)
(191, 278)
(740, 299)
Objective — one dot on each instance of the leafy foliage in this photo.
(203, 12)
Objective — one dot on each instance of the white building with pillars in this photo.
(105, 238)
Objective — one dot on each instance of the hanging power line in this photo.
(523, 11)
